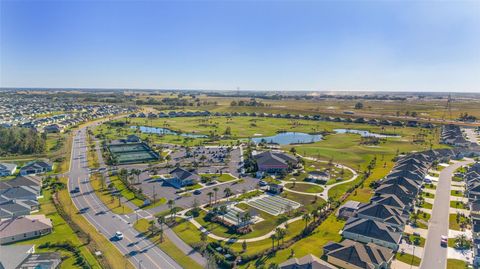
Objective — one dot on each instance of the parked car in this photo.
(444, 241)
(197, 192)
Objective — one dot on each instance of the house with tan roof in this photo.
(23, 228)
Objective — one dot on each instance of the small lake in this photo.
(362, 133)
(165, 131)
(288, 138)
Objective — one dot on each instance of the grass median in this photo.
(167, 246)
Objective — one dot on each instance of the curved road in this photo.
(141, 252)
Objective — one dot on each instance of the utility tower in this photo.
(448, 108)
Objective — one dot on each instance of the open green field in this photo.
(425, 108)
(302, 187)
(220, 178)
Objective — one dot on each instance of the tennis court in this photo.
(132, 153)
(273, 205)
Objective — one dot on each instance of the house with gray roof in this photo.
(36, 167)
(390, 215)
(355, 255)
(180, 177)
(367, 230)
(24, 256)
(7, 169)
(306, 262)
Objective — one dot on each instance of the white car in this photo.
(119, 235)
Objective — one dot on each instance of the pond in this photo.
(288, 138)
(165, 131)
(363, 133)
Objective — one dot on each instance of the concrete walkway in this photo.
(324, 194)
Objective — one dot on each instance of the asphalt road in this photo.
(141, 252)
(434, 255)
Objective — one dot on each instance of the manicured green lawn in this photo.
(302, 187)
(456, 264)
(458, 204)
(268, 224)
(414, 239)
(457, 179)
(61, 232)
(219, 178)
(309, 202)
(427, 195)
(430, 186)
(408, 259)
(453, 224)
(456, 193)
(193, 187)
(168, 246)
(427, 205)
(108, 199)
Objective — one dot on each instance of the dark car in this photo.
(76, 190)
(197, 192)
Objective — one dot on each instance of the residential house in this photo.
(36, 167)
(24, 256)
(390, 215)
(355, 255)
(23, 228)
(367, 230)
(7, 169)
(348, 209)
(306, 262)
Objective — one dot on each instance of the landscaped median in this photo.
(107, 196)
(142, 225)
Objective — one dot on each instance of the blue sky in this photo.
(268, 45)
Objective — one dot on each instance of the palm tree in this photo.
(228, 192)
(273, 237)
(315, 214)
(210, 194)
(170, 203)
(306, 217)
(160, 231)
(161, 221)
(215, 190)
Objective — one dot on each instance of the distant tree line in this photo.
(251, 102)
(174, 101)
(21, 141)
